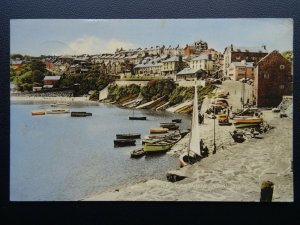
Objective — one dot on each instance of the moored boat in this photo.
(80, 114)
(158, 130)
(59, 104)
(128, 136)
(38, 113)
(57, 111)
(161, 145)
(170, 126)
(137, 153)
(137, 117)
(176, 120)
(124, 142)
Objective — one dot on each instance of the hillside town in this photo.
(255, 66)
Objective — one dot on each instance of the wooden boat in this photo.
(128, 136)
(138, 153)
(80, 114)
(58, 111)
(159, 130)
(176, 120)
(59, 104)
(193, 153)
(171, 137)
(170, 126)
(38, 113)
(124, 142)
(137, 117)
(161, 145)
(247, 122)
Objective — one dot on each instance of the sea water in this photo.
(56, 157)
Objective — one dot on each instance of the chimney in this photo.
(231, 47)
(209, 56)
(264, 47)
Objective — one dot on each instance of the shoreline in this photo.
(234, 173)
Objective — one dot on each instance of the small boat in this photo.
(137, 117)
(161, 145)
(124, 142)
(58, 111)
(176, 120)
(59, 104)
(276, 110)
(137, 153)
(170, 126)
(80, 114)
(193, 153)
(37, 113)
(128, 136)
(247, 122)
(159, 130)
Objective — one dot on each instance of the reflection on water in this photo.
(59, 157)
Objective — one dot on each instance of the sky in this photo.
(37, 37)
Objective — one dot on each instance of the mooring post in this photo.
(266, 192)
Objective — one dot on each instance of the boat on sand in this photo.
(137, 153)
(193, 153)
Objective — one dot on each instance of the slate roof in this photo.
(51, 77)
(188, 71)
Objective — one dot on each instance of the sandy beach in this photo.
(234, 173)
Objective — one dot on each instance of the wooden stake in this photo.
(266, 192)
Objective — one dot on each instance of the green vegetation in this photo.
(181, 94)
(288, 55)
(156, 89)
(28, 75)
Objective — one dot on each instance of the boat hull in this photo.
(138, 153)
(123, 143)
(158, 130)
(80, 114)
(137, 117)
(156, 148)
(38, 113)
(128, 136)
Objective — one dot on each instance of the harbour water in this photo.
(64, 158)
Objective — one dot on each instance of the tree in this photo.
(37, 77)
(16, 56)
(38, 65)
(288, 55)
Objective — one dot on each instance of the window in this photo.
(266, 76)
(281, 86)
(282, 67)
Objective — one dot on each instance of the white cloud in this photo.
(94, 45)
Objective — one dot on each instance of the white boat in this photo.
(193, 153)
(57, 111)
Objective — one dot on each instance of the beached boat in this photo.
(124, 142)
(237, 136)
(138, 153)
(128, 136)
(158, 130)
(57, 111)
(80, 114)
(38, 113)
(193, 153)
(161, 145)
(247, 122)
